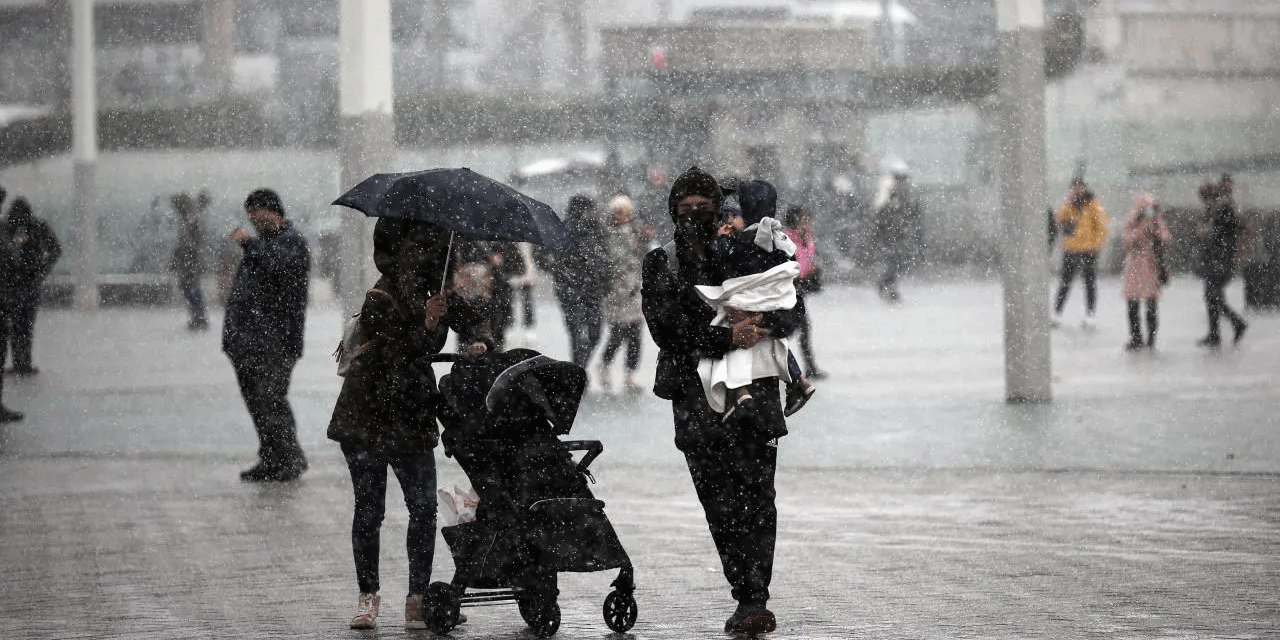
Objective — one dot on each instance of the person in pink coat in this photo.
(1144, 235)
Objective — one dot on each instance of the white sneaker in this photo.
(366, 611)
(631, 384)
(1055, 320)
(1089, 322)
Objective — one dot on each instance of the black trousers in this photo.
(628, 333)
(1215, 302)
(734, 480)
(805, 332)
(585, 322)
(21, 324)
(1135, 324)
(1087, 264)
(264, 385)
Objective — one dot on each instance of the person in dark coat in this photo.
(580, 275)
(263, 329)
(732, 463)
(36, 250)
(187, 260)
(385, 413)
(8, 265)
(1220, 234)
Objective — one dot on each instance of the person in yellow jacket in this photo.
(1082, 224)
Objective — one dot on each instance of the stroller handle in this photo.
(593, 448)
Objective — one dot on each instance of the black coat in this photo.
(680, 323)
(581, 270)
(267, 307)
(35, 258)
(1218, 253)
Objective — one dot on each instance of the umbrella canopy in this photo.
(459, 200)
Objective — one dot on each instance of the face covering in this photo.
(693, 234)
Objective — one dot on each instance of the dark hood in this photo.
(758, 200)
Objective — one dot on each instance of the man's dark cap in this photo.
(694, 182)
(264, 199)
(20, 209)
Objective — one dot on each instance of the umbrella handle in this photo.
(448, 254)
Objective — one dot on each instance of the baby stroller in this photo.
(536, 517)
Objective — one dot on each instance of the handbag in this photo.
(1162, 268)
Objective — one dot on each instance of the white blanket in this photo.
(773, 290)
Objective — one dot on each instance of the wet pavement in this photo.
(1144, 502)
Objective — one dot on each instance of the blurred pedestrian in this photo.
(36, 250)
(1220, 234)
(385, 413)
(1083, 226)
(187, 259)
(628, 242)
(799, 228)
(896, 219)
(263, 330)
(580, 275)
(482, 278)
(1145, 273)
(522, 290)
(8, 266)
(732, 464)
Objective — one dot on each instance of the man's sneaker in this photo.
(413, 613)
(1210, 341)
(9, 415)
(25, 370)
(1055, 320)
(751, 620)
(1089, 322)
(798, 394)
(367, 611)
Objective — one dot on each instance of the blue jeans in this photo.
(417, 475)
(195, 299)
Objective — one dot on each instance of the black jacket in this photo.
(1218, 253)
(36, 257)
(267, 308)
(680, 323)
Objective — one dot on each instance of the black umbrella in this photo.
(459, 200)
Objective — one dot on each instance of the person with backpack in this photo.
(385, 415)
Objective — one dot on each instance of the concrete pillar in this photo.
(84, 153)
(218, 44)
(368, 144)
(1028, 361)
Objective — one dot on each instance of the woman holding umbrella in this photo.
(385, 412)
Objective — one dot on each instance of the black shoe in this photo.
(8, 415)
(746, 405)
(1134, 345)
(751, 620)
(1212, 342)
(198, 325)
(24, 370)
(798, 395)
(1239, 332)
(263, 473)
(814, 374)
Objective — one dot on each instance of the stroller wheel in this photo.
(441, 606)
(541, 613)
(620, 610)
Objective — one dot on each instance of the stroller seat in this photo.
(501, 418)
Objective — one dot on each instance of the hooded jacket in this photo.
(388, 399)
(1087, 223)
(35, 258)
(679, 321)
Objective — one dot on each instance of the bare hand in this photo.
(746, 333)
(475, 349)
(435, 308)
(239, 235)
